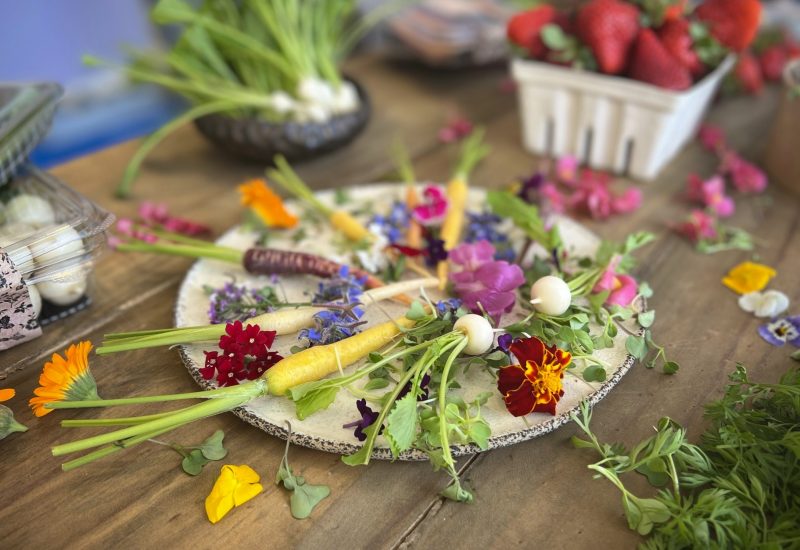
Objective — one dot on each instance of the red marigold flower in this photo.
(535, 385)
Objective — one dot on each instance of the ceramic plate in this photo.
(324, 430)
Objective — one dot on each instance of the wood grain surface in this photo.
(538, 493)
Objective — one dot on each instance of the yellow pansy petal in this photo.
(245, 474)
(748, 277)
(217, 506)
(246, 491)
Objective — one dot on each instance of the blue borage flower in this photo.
(448, 305)
(782, 331)
(393, 225)
(344, 288)
(334, 324)
(483, 227)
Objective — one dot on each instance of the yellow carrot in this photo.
(341, 220)
(402, 161)
(318, 362)
(472, 152)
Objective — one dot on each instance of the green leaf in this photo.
(401, 424)
(796, 355)
(646, 318)
(479, 432)
(636, 346)
(305, 498)
(416, 312)
(655, 470)
(376, 384)
(645, 290)
(457, 493)
(553, 37)
(193, 462)
(212, 447)
(671, 367)
(525, 216)
(594, 373)
(314, 400)
(340, 196)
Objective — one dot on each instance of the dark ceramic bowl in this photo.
(261, 140)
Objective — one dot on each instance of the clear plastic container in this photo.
(51, 234)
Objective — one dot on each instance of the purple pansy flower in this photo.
(782, 331)
(484, 283)
(504, 342)
(368, 418)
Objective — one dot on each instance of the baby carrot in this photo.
(472, 152)
(319, 361)
(346, 224)
(402, 161)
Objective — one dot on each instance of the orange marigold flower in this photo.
(266, 204)
(535, 385)
(6, 394)
(65, 379)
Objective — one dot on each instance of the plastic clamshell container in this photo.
(609, 123)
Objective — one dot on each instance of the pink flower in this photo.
(552, 199)
(594, 198)
(622, 289)
(746, 176)
(694, 187)
(714, 197)
(712, 137)
(156, 214)
(128, 228)
(153, 213)
(700, 225)
(484, 283)
(567, 169)
(457, 128)
(629, 201)
(432, 211)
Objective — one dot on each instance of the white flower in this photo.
(374, 258)
(764, 304)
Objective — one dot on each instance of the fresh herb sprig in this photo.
(740, 487)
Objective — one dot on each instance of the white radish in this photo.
(551, 295)
(62, 243)
(30, 209)
(36, 300)
(63, 292)
(480, 335)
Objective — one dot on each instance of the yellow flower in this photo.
(234, 486)
(65, 379)
(748, 277)
(266, 204)
(6, 394)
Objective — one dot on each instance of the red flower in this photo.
(249, 340)
(536, 386)
(230, 372)
(244, 354)
(259, 366)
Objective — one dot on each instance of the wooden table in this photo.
(538, 493)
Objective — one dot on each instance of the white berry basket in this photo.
(609, 123)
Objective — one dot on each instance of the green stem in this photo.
(165, 337)
(472, 152)
(127, 421)
(220, 393)
(221, 253)
(442, 399)
(105, 451)
(124, 188)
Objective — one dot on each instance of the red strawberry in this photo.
(675, 11)
(675, 37)
(651, 62)
(748, 73)
(772, 61)
(524, 28)
(609, 28)
(733, 22)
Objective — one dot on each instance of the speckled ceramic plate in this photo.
(324, 430)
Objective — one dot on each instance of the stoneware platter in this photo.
(324, 430)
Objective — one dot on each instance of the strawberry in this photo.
(609, 28)
(524, 28)
(651, 62)
(772, 61)
(733, 22)
(748, 74)
(675, 37)
(675, 11)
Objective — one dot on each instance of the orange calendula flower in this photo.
(535, 385)
(65, 379)
(748, 277)
(6, 394)
(234, 486)
(266, 204)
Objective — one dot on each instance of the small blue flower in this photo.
(344, 287)
(451, 305)
(484, 227)
(393, 225)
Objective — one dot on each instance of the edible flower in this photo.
(457, 128)
(745, 176)
(484, 226)
(368, 418)
(245, 355)
(157, 214)
(567, 169)
(711, 193)
(393, 225)
(433, 208)
(483, 282)
(535, 384)
(699, 226)
(234, 486)
(712, 137)
(764, 304)
(6, 394)
(622, 288)
(748, 277)
(782, 331)
(65, 378)
(267, 205)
